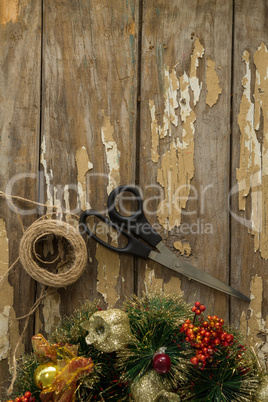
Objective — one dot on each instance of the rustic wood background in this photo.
(165, 95)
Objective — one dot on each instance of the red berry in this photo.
(198, 312)
(205, 324)
(202, 358)
(193, 309)
(202, 307)
(188, 321)
(18, 399)
(217, 341)
(230, 338)
(162, 363)
(197, 304)
(32, 399)
(191, 337)
(27, 394)
(195, 360)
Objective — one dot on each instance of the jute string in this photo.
(30, 260)
(68, 272)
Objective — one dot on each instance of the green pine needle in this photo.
(26, 367)
(155, 320)
(233, 379)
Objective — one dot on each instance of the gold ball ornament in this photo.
(262, 392)
(45, 374)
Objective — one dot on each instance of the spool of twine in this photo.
(31, 261)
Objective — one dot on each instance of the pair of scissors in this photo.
(138, 225)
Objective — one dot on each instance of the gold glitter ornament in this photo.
(45, 374)
(165, 396)
(109, 330)
(148, 387)
(262, 392)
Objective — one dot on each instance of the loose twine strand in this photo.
(70, 270)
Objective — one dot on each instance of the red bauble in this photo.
(161, 363)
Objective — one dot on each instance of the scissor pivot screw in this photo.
(177, 264)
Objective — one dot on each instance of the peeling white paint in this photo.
(112, 153)
(252, 323)
(155, 130)
(170, 100)
(170, 117)
(6, 294)
(108, 274)
(252, 174)
(66, 197)
(9, 328)
(177, 163)
(51, 192)
(83, 166)
(194, 80)
(51, 311)
(47, 174)
(152, 283)
(4, 336)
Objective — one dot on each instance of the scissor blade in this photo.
(163, 249)
(196, 274)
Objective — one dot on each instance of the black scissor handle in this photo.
(134, 246)
(136, 223)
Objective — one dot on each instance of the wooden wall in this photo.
(170, 96)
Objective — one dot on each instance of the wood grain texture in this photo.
(20, 47)
(89, 126)
(193, 153)
(70, 132)
(247, 261)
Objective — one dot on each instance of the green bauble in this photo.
(45, 374)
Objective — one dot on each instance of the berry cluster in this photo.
(205, 337)
(27, 397)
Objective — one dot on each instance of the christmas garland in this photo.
(155, 348)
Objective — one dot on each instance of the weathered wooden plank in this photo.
(185, 106)
(249, 172)
(88, 131)
(20, 47)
